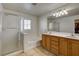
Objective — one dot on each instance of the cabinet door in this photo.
(44, 41)
(63, 46)
(69, 47)
(54, 45)
(48, 42)
(75, 48)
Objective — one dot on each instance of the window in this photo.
(27, 24)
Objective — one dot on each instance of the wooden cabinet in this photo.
(63, 46)
(60, 45)
(73, 48)
(50, 43)
(69, 47)
(46, 41)
(54, 45)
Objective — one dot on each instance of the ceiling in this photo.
(38, 9)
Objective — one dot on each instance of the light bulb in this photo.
(54, 14)
(65, 11)
(61, 13)
(57, 14)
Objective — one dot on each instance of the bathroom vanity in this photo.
(62, 44)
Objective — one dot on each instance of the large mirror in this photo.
(67, 22)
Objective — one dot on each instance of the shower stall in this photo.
(10, 40)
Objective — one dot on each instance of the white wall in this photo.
(43, 22)
(1, 13)
(42, 25)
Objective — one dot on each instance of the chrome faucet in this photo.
(72, 34)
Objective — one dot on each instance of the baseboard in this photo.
(15, 53)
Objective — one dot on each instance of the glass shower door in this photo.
(10, 41)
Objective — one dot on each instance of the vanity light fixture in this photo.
(60, 13)
(57, 14)
(54, 14)
(65, 11)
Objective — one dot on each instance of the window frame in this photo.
(27, 24)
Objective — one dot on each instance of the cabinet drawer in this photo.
(75, 42)
(54, 43)
(54, 39)
(54, 46)
(54, 51)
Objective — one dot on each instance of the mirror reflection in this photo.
(64, 21)
(77, 26)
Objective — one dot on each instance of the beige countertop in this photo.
(63, 34)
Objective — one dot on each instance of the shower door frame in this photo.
(17, 30)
